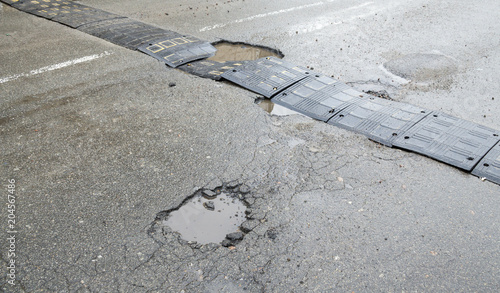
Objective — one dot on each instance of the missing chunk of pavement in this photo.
(383, 94)
(240, 51)
(274, 109)
(229, 55)
(376, 88)
(216, 215)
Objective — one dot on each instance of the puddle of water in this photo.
(275, 109)
(227, 51)
(196, 221)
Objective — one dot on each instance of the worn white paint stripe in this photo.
(55, 66)
(359, 6)
(322, 22)
(219, 25)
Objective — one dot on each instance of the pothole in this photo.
(229, 55)
(275, 109)
(383, 94)
(209, 216)
(375, 88)
(239, 51)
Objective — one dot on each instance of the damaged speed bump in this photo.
(457, 142)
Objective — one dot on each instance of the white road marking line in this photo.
(358, 6)
(219, 25)
(323, 22)
(55, 66)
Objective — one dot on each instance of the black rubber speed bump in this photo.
(178, 49)
(319, 97)
(266, 76)
(46, 8)
(126, 32)
(84, 15)
(9, 2)
(209, 69)
(454, 141)
(489, 166)
(380, 120)
(63, 11)
(352, 117)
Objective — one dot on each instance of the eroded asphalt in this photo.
(99, 148)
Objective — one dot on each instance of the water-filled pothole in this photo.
(208, 216)
(275, 109)
(238, 51)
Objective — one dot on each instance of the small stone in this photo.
(235, 236)
(272, 234)
(313, 149)
(208, 194)
(209, 247)
(226, 243)
(209, 205)
(233, 184)
(171, 84)
(214, 184)
(248, 225)
(244, 189)
(250, 201)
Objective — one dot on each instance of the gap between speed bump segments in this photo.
(489, 166)
(452, 140)
(178, 49)
(266, 76)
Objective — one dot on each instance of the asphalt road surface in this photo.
(98, 144)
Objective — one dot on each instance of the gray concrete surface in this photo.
(98, 148)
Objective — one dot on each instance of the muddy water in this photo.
(227, 51)
(195, 222)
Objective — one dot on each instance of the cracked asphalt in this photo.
(99, 148)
